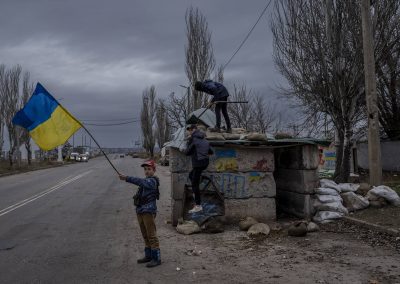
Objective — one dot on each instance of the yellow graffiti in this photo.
(226, 164)
(255, 178)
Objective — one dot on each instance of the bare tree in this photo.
(320, 55)
(199, 53)
(264, 114)
(148, 119)
(177, 110)
(219, 75)
(163, 123)
(2, 105)
(27, 89)
(387, 53)
(11, 92)
(241, 114)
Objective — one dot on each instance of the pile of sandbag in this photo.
(382, 194)
(333, 201)
(328, 203)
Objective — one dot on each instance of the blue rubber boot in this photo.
(147, 256)
(155, 258)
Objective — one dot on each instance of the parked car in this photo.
(122, 155)
(135, 155)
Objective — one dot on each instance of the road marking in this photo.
(41, 194)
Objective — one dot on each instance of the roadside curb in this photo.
(372, 226)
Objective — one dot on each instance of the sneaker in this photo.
(196, 208)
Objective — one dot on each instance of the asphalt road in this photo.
(70, 224)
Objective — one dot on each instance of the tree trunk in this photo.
(342, 172)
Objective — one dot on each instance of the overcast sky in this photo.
(97, 56)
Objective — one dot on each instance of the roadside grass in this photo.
(5, 168)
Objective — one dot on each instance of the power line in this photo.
(117, 119)
(112, 124)
(247, 36)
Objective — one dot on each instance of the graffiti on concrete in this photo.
(261, 165)
(225, 160)
(255, 177)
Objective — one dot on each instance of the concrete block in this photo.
(244, 185)
(262, 209)
(242, 159)
(178, 181)
(300, 181)
(178, 161)
(303, 157)
(298, 204)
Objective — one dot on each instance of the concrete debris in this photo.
(246, 223)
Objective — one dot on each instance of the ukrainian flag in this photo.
(49, 124)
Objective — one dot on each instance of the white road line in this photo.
(41, 194)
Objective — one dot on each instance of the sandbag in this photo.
(238, 131)
(246, 223)
(259, 229)
(328, 198)
(348, 187)
(230, 136)
(327, 183)
(326, 216)
(332, 206)
(387, 193)
(326, 191)
(188, 228)
(354, 201)
(256, 137)
(214, 136)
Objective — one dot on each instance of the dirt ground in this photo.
(388, 216)
(339, 253)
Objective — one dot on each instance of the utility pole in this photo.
(374, 146)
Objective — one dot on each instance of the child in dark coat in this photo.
(146, 209)
(220, 94)
(199, 148)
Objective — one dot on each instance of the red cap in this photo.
(149, 163)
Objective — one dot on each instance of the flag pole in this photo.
(83, 126)
(101, 149)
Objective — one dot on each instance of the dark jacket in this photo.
(148, 192)
(199, 149)
(217, 90)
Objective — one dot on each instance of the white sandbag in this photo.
(327, 183)
(326, 191)
(256, 137)
(348, 187)
(387, 193)
(332, 206)
(231, 136)
(214, 136)
(328, 198)
(354, 201)
(326, 216)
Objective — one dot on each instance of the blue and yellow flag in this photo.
(48, 123)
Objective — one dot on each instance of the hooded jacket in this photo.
(199, 149)
(148, 192)
(217, 90)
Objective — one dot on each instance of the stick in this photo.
(105, 155)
